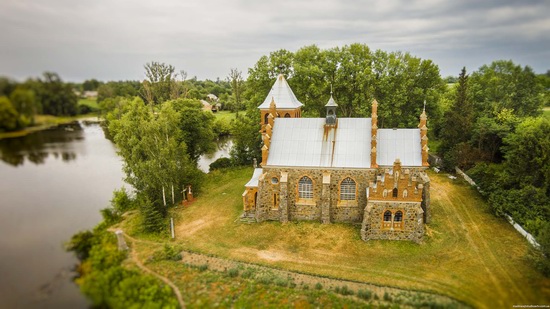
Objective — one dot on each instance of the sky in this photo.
(114, 39)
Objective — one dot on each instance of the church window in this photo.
(347, 190)
(398, 216)
(395, 192)
(275, 201)
(266, 116)
(405, 193)
(387, 216)
(274, 180)
(287, 115)
(305, 188)
(385, 193)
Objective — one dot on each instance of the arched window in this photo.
(305, 187)
(405, 193)
(394, 193)
(287, 115)
(347, 190)
(387, 216)
(398, 216)
(266, 116)
(385, 193)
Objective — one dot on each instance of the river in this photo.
(52, 185)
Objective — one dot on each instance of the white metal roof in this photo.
(399, 143)
(304, 142)
(282, 95)
(253, 182)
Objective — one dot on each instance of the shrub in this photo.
(233, 272)
(220, 163)
(248, 273)
(121, 201)
(387, 296)
(203, 267)
(318, 286)
(364, 294)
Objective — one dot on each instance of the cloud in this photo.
(114, 39)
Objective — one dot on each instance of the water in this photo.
(52, 184)
(223, 147)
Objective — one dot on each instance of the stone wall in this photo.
(412, 227)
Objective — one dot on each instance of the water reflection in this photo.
(223, 148)
(37, 147)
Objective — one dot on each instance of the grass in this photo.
(90, 102)
(225, 115)
(546, 112)
(468, 253)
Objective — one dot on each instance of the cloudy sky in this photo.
(113, 39)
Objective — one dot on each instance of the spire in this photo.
(374, 134)
(424, 136)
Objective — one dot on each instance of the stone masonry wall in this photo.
(412, 226)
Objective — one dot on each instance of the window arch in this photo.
(347, 190)
(387, 216)
(398, 216)
(405, 193)
(266, 117)
(385, 193)
(287, 115)
(395, 192)
(305, 188)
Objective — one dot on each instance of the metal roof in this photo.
(331, 102)
(253, 182)
(282, 95)
(305, 142)
(399, 143)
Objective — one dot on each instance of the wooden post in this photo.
(172, 227)
(173, 199)
(163, 197)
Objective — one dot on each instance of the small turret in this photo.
(331, 111)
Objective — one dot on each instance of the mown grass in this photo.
(90, 102)
(546, 112)
(225, 115)
(468, 253)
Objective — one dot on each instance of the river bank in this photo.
(44, 122)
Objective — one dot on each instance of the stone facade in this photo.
(278, 199)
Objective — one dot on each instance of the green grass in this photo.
(90, 102)
(225, 115)
(546, 112)
(468, 253)
(43, 122)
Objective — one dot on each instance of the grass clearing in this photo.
(546, 112)
(225, 115)
(467, 254)
(90, 102)
(43, 122)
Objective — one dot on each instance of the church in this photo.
(339, 170)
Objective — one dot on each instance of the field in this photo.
(90, 102)
(225, 115)
(546, 112)
(468, 253)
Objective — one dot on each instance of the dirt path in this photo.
(139, 264)
(306, 281)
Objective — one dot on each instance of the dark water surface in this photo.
(52, 184)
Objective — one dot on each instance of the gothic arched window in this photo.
(405, 193)
(387, 216)
(398, 216)
(394, 193)
(287, 115)
(305, 187)
(347, 190)
(266, 118)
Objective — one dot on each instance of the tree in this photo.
(8, 115)
(197, 127)
(236, 81)
(55, 97)
(158, 86)
(24, 102)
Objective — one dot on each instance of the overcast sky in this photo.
(113, 39)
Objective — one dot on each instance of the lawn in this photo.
(468, 253)
(546, 112)
(225, 115)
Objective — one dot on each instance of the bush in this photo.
(220, 163)
(318, 286)
(248, 273)
(387, 296)
(110, 216)
(80, 244)
(121, 201)
(170, 253)
(233, 272)
(364, 294)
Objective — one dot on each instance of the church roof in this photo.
(399, 143)
(331, 102)
(305, 142)
(253, 182)
(282, 94)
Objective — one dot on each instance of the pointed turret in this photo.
(424, 136)
(331, 111)
(374, 134)
(287, 105)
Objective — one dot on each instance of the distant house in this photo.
(206, 106)
(212, 98)
(89, 94)
(339, 170)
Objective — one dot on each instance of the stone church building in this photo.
(339, 170)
